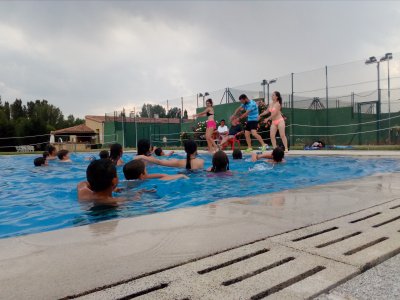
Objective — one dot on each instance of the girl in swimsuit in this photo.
(278, 123)
(211, 125)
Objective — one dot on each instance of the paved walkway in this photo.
(76, 260)
(380, 282)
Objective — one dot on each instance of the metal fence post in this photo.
(292, 115)
(327, 105)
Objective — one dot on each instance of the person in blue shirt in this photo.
(251, 112)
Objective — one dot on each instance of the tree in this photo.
(146, 111)
(185, 115)
(18, 110)
(174, 113)
(159, 110)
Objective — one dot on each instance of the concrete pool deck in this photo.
(76, 261)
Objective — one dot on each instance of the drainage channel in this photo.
(297, 265)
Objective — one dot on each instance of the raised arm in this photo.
(162, 162)
(203, 113)
(236, 112)
(255, 157)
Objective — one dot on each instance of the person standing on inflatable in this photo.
(251, 112)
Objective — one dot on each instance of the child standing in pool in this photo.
(220, 163)
(116, 154)
(52, 152)
(63, 156)
(102, 178)
(211, 125)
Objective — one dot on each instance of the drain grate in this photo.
(363, 239)
(296, 265)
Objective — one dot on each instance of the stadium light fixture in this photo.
(388, 57)
(204, 96)
(371, 60)
(267, 83)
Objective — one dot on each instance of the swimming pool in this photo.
(44, 198)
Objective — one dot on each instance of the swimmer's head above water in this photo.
(135, 169)
(220, 162)
(278, 154)
(101, 175)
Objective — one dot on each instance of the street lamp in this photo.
(387, 57)
(204, 96)
(267, 83)
(369, 61)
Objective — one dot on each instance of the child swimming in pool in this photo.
(160, 152)
(143, 147)
(102, 178)
(104, 154)
(190, 163)
(220, 163)
(40, 161)
(116, 154)
(136, 169)
(52, 152)
(275, 156)
(63, 156)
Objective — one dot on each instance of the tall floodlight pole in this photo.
(373, 60)
(264, 83)
(204, 97)
(388, 57)
(267, 83)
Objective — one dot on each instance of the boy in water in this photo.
(159, 152)
(277, 155)
(51, 151)
(102, 178)
(40, 161)
(104, 154)
(237, 154)
(63, 156)
(136, 169)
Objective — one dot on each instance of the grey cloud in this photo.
(93, 57)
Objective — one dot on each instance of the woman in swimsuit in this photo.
(211, 125)
(278, 123)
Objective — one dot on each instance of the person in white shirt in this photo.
(222, 130)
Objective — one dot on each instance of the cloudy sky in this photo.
(98, 56)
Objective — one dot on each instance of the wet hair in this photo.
(104, 154)
(243, 97)
(62, 153)
(100, 174)
(237, 154)
(39, 161)
(158, 151)
(143, 147)
(133, 169)
(209, 100)
(278, 154)
(50, 149)
(45, 154)
(190, 148)
(278, 95)
(220, 162)
(115, 152)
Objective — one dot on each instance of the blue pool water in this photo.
(44, 198)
